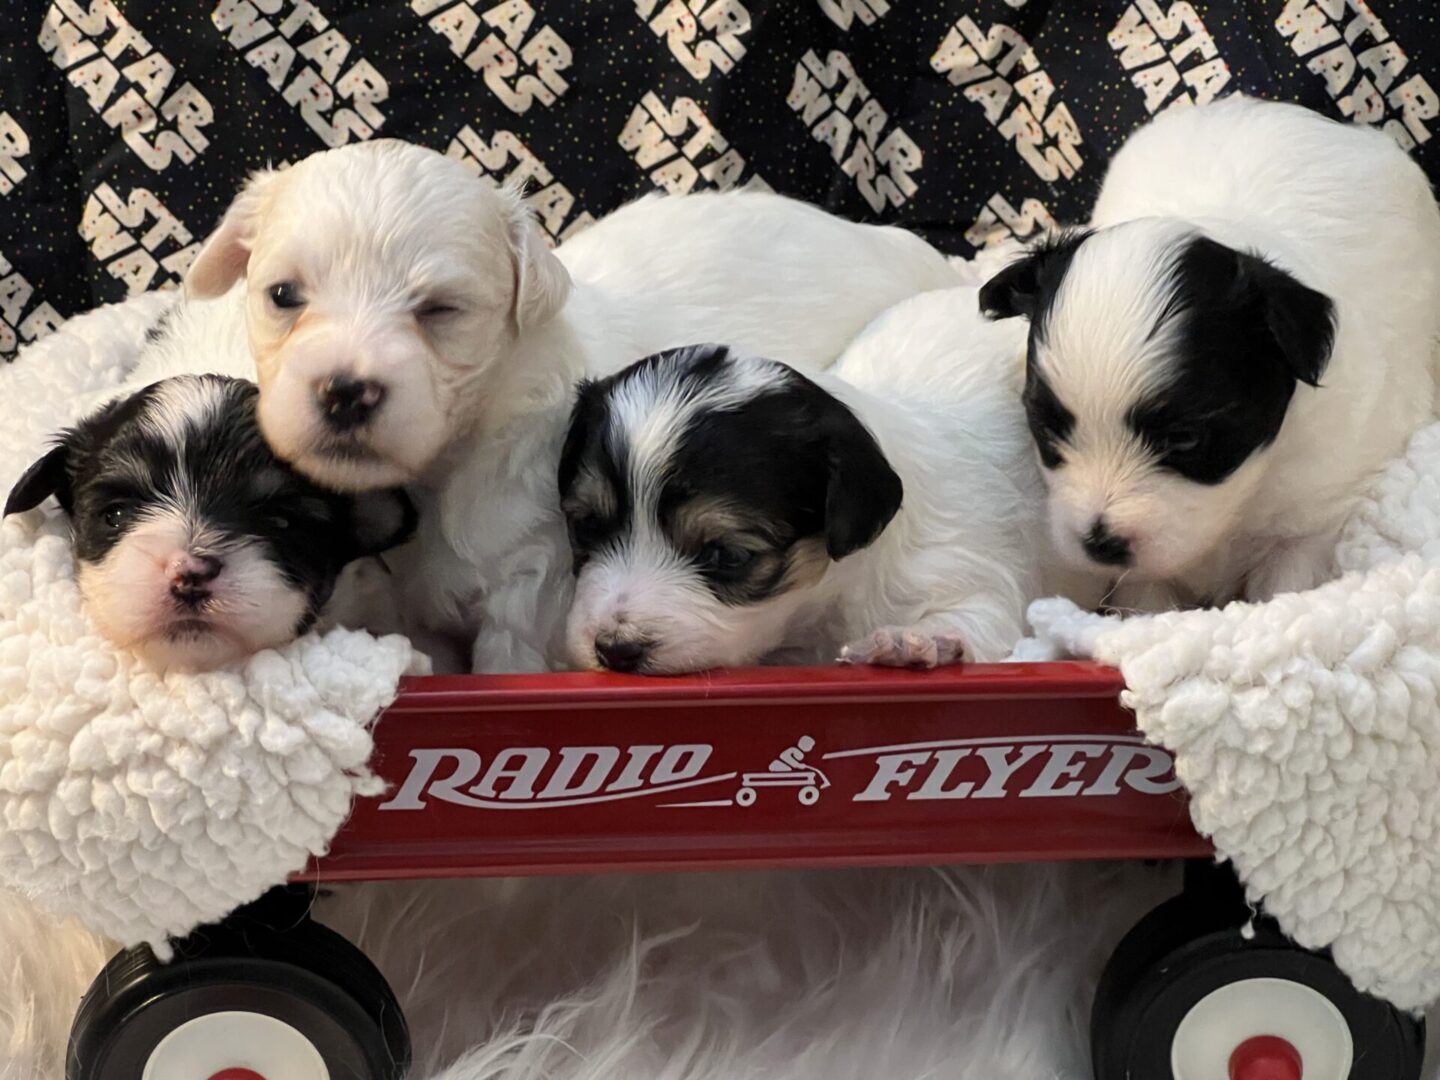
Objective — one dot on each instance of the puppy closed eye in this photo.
(435, 310)
(280, 520)
(1050, 422)
(588, 530)
(1181, 441)
(724, 560)
(284, 516)
(1045, 443)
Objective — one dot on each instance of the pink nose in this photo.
(187, 570)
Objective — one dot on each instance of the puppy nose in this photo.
(1105, 547)
(190, 573)
(348, 402)
(620, 655)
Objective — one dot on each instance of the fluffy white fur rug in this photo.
(969, 974)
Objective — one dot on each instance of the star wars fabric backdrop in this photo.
(125, 125)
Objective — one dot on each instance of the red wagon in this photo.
(765, 768)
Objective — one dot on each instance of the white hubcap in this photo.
(1231, 1015)
(210, 1045)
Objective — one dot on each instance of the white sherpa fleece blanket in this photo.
(144, 806)
(1307, 731)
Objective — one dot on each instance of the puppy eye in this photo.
(1183, 440)
(280, 522)
(286, 296)
(587, 531)
(115, 515)
(435, 310)
(724, 559)
(1050, 456)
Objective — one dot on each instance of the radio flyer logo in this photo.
(536, 778)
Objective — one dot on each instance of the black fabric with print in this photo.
(125, 125)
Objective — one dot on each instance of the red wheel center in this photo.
(237, 1074)
(1265, 1058)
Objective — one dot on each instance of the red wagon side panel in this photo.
(770, 767)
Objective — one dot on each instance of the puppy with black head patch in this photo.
(1246, 333)
(725, 509)
(196, 544)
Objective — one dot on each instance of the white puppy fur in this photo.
(1207, 438)
(726, 510)
(409, 324)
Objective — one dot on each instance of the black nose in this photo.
(1105, 547)
(347, 402)
(620, 655)
(191, 574)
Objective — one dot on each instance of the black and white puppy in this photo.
(1246, 333)
(725, 509)
(196, 544)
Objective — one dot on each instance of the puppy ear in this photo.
(1017, 290)
(1302, 322)
(1013, 291)
(863, 492)
(48, 476)
(382, 520)
(588, 413)
(225, 254)
(542, 284)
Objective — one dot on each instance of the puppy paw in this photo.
(899, 646)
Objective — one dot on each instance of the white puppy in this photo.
(726, 509)
(1248, 332)
(410, 325)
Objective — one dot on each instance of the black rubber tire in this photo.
(305, 975)
(1184, 950)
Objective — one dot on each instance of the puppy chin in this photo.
(348, 471)
(190, 649)
(353, 463)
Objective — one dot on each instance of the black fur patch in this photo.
(1245, 332)
(1050, 421)
(789, 462)
(113, 468)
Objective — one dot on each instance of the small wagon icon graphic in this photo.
(787, 771)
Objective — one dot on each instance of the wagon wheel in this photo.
(745, 797)
(1187, 996)
(809, 795)
(241, 1001)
